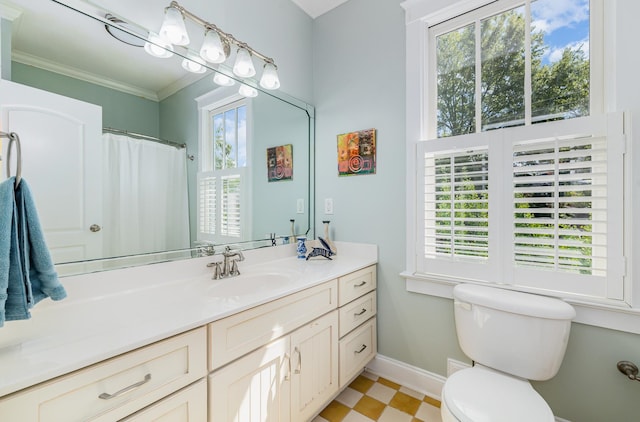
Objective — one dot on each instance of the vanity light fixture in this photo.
(216, 47)
(223, 80)
(173, 29)
(243, 66)
(212, 49)
(157, 47)
(269, 79)
(247, 91)
(194, 63)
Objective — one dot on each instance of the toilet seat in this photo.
(481, 394)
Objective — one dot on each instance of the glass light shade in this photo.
(157, 47)
(243, 66)
(212, 49)
(223, 80)
(173, 29)
(194, 64)
(247, 91)
(269, 79)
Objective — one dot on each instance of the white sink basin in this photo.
(250, 284)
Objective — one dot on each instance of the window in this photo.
(512, 64)
(520, 178)
(223, 182)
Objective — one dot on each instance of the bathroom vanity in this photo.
(165, 342)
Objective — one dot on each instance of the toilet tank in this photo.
(518, 333)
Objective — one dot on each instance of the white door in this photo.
(61, 161)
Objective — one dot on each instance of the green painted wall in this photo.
(359, 82)
(119, 110)
(5, 49)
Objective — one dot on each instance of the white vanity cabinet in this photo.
(291, 365)
(289, 378)
(281, 360)
(358, 340)
(115, 388)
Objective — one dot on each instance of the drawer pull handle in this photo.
(299, 368)
(360, 313)
(362, 283)
(107, 396)
(364, 346)
(288, 358)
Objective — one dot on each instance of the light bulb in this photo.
(173, 29)
(194, 64)
(212, 49)
(247, 91)
(223, 80)
(243, 66)
(157, 47)
(269, 79)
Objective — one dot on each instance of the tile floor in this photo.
(372, 398)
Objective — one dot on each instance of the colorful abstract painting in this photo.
(280, 163)
(357, 153)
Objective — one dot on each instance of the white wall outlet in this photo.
(455, 365)
(328, 205)
(300, 206)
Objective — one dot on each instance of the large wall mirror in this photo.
(158, 188)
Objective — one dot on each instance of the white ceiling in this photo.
(91, 52)
(315, 8)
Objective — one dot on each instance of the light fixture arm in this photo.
(226, 38)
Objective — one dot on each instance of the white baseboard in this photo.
(412, 377)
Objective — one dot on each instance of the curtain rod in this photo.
(142, 136)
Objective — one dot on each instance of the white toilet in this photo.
(512, 337)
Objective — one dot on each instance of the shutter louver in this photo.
(560, 200)
(230, 218)
(207, 206)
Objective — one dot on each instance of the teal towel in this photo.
(27, 274)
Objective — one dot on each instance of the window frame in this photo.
(422, 14)
(220, 100)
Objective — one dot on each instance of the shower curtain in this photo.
(145, 196)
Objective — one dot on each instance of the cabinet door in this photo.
(314, 362)
(254, 388)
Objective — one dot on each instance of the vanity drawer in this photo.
(115, 388)
(356, 284)
(237, 335)
(357, 312)
(356, 350)
(187, 405)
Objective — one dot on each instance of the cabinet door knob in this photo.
(95, 228)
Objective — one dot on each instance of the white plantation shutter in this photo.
(457, 204)
(538, 208)
(220, 207)
(206, 207)
(560, 205)
(454, 239)
(231, 207)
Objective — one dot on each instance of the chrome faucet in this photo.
(229, 266)
(205, 249)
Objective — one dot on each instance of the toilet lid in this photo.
(483, 395)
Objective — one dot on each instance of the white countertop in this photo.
(112, 312)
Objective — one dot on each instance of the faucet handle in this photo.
(217, 271)
(234, 268)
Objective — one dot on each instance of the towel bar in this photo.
(13, 137)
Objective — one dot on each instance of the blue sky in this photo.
(565, 24)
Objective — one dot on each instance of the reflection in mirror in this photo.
(126, 175)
